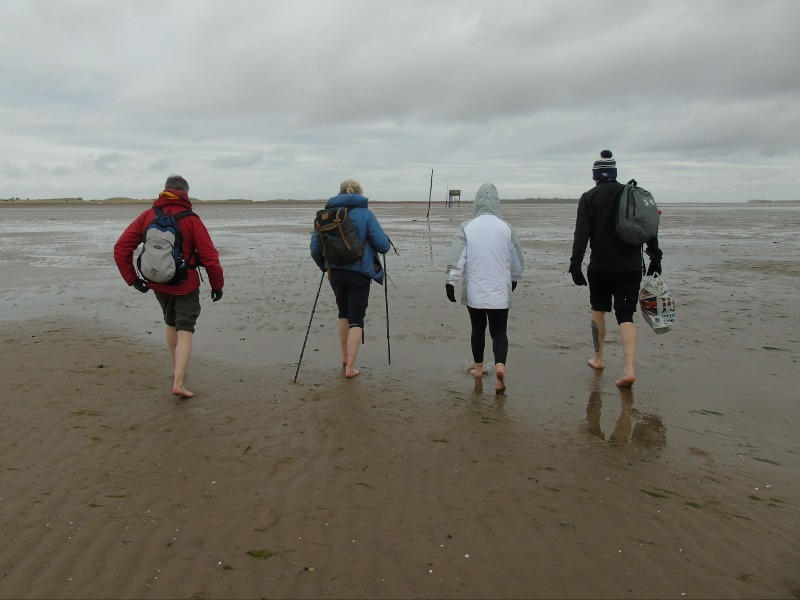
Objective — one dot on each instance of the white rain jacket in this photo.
(485, 256)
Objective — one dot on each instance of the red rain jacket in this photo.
(197, 246)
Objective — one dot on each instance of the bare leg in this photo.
(353, 343)
(500, 385)
(343, 330)
(172, 342)
(598, 337)
(627, 332)
(181, 351)
(477, 370)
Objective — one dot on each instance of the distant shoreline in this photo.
(80, 202)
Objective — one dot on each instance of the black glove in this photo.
(141, 285)
(654, 267)
(513, 285)
(451, 292)
(577, 275)
(216, 295)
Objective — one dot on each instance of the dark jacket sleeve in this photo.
(652, 250)
(581, 236)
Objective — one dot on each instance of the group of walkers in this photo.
(485, 258)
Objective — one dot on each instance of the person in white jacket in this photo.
(487, 258)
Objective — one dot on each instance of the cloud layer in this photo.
(700, 101)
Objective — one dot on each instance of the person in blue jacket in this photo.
(351, 283)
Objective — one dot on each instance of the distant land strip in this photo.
(290, 202)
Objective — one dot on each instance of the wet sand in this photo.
(408, 481)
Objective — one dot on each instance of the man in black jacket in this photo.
(615, 268)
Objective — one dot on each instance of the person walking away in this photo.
(487, 258)
(180, 301)
(351, 282)
(615, 267)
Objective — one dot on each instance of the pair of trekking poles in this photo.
(314, 309)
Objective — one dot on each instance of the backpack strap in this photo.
(184, 213)
(178, 216)
(197, 264)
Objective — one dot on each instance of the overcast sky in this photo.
(698, 100)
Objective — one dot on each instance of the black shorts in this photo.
(352, 295)
(180, 312)
(622, 287)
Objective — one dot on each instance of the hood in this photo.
(347, 201)
(172, 197)
(487, 201)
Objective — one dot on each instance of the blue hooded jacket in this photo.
(369, 230)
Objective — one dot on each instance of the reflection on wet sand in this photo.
(646, 429)
(478, 397)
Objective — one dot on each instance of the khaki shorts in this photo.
(180, 312)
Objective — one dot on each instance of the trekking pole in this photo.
(313, 310)
(386, 295)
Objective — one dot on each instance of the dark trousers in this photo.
(498, 321)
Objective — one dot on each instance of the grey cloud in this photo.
(107, 162)
(230, 161)
(10, 169)
(513, 91)
(160, 164)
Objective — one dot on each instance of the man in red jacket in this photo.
(180, 301)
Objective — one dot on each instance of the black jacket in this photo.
(596, 225)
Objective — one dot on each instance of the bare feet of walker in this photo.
(595, 364)
(477, 371)
(500, 384)
(626, 380)
(182, 391)
(350, 372)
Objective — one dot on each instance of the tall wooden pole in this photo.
(429, 197)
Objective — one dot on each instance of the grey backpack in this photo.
(161, 258)
(637, 216)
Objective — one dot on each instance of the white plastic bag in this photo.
(656, 304)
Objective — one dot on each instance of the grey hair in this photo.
(176, 182)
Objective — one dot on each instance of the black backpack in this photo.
(338, 236)
(161, 258)
(637, 215)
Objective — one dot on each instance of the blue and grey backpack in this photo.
(161, 258)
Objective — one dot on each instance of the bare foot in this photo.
(477, 371)
(352, 373)
(625, 381)
(500, 385)
(595, 364)
(182, 392)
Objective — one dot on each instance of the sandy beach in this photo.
(409, 481)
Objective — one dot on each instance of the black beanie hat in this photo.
(605, 167)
